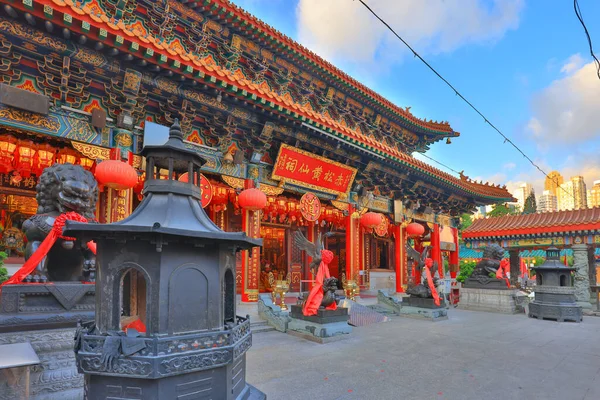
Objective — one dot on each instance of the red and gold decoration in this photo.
(370, 220)
(415, 229)
(44, 158)
(305, 169)
(252, 199)
(383, 228)
(116, 175)
(67, 156)
(310, 207)
(205, 187)
(8, 144)
(23, 159)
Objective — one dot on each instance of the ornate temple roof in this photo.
(535, 224)
(171, 49)
(292, 48)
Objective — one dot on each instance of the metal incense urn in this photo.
(554, 292)
(166, 324)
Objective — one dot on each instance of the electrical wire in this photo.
(587, 35)
(440, 163)
(457, 93)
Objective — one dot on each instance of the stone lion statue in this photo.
(62, 188)
(489, 264)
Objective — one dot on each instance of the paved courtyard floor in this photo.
(472, 355)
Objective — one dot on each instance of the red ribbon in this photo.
(313, 301)
(502, 272)
(434, 293)
(55, 233)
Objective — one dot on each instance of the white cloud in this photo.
(573, 64)
(344, 29)
(509, 166)
(567, 111)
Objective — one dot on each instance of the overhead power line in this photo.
(457, 93)
(587, 35)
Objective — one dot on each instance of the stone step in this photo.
(381, 309)
(260, 326)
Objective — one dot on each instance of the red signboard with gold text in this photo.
(305, 169)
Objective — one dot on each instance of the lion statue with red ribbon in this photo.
(64, 192)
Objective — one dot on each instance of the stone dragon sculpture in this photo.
(62, 188)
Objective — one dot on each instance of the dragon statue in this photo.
(62, 188)
(489, 264)
(325, 285)
(428, 287)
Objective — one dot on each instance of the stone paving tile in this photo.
(471, 356)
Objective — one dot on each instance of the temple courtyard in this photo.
(472, 355)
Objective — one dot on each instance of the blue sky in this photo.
(524, 63)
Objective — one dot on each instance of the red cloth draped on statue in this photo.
(503, 271)
(313, 302)
(434, 293)
(54, 234)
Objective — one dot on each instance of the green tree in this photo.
(3, 271)
(500, 210)
(466, 220)
(530, 206)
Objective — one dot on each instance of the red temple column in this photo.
(454, 255)
(399, 257)
(352, 243)
(250, 259)
(310, 236)
(436, 251)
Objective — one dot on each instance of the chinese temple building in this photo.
(82, 81)
(522, 235)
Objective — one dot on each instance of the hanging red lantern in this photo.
(252, 199)
(415, 229)
(23, 160)
(117, 175)
(44, 158)
(370, 220)
(86, 163)
(67, 156)
(8, 144)
(139, 187)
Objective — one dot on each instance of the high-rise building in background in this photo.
(522, 193)
(547, 202)
(594, 195)
(553, 181)
(572, 195)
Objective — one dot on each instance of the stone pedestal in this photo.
(56, 376)
(423, 308)
(582, 277)
(326, 326)
(489, 300)
(382, 279)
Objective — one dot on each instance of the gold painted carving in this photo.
(29, 118)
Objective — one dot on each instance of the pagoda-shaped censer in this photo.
(166, 324)
(554, 292)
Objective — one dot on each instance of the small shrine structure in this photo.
(172, 264)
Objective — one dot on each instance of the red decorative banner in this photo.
(307, 170)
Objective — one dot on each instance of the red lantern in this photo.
(67, 156)
(44, 158)
(8, 144)
(370, 220)
(252, 199)
(24, 158)
(117, 175)
(415, 229)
